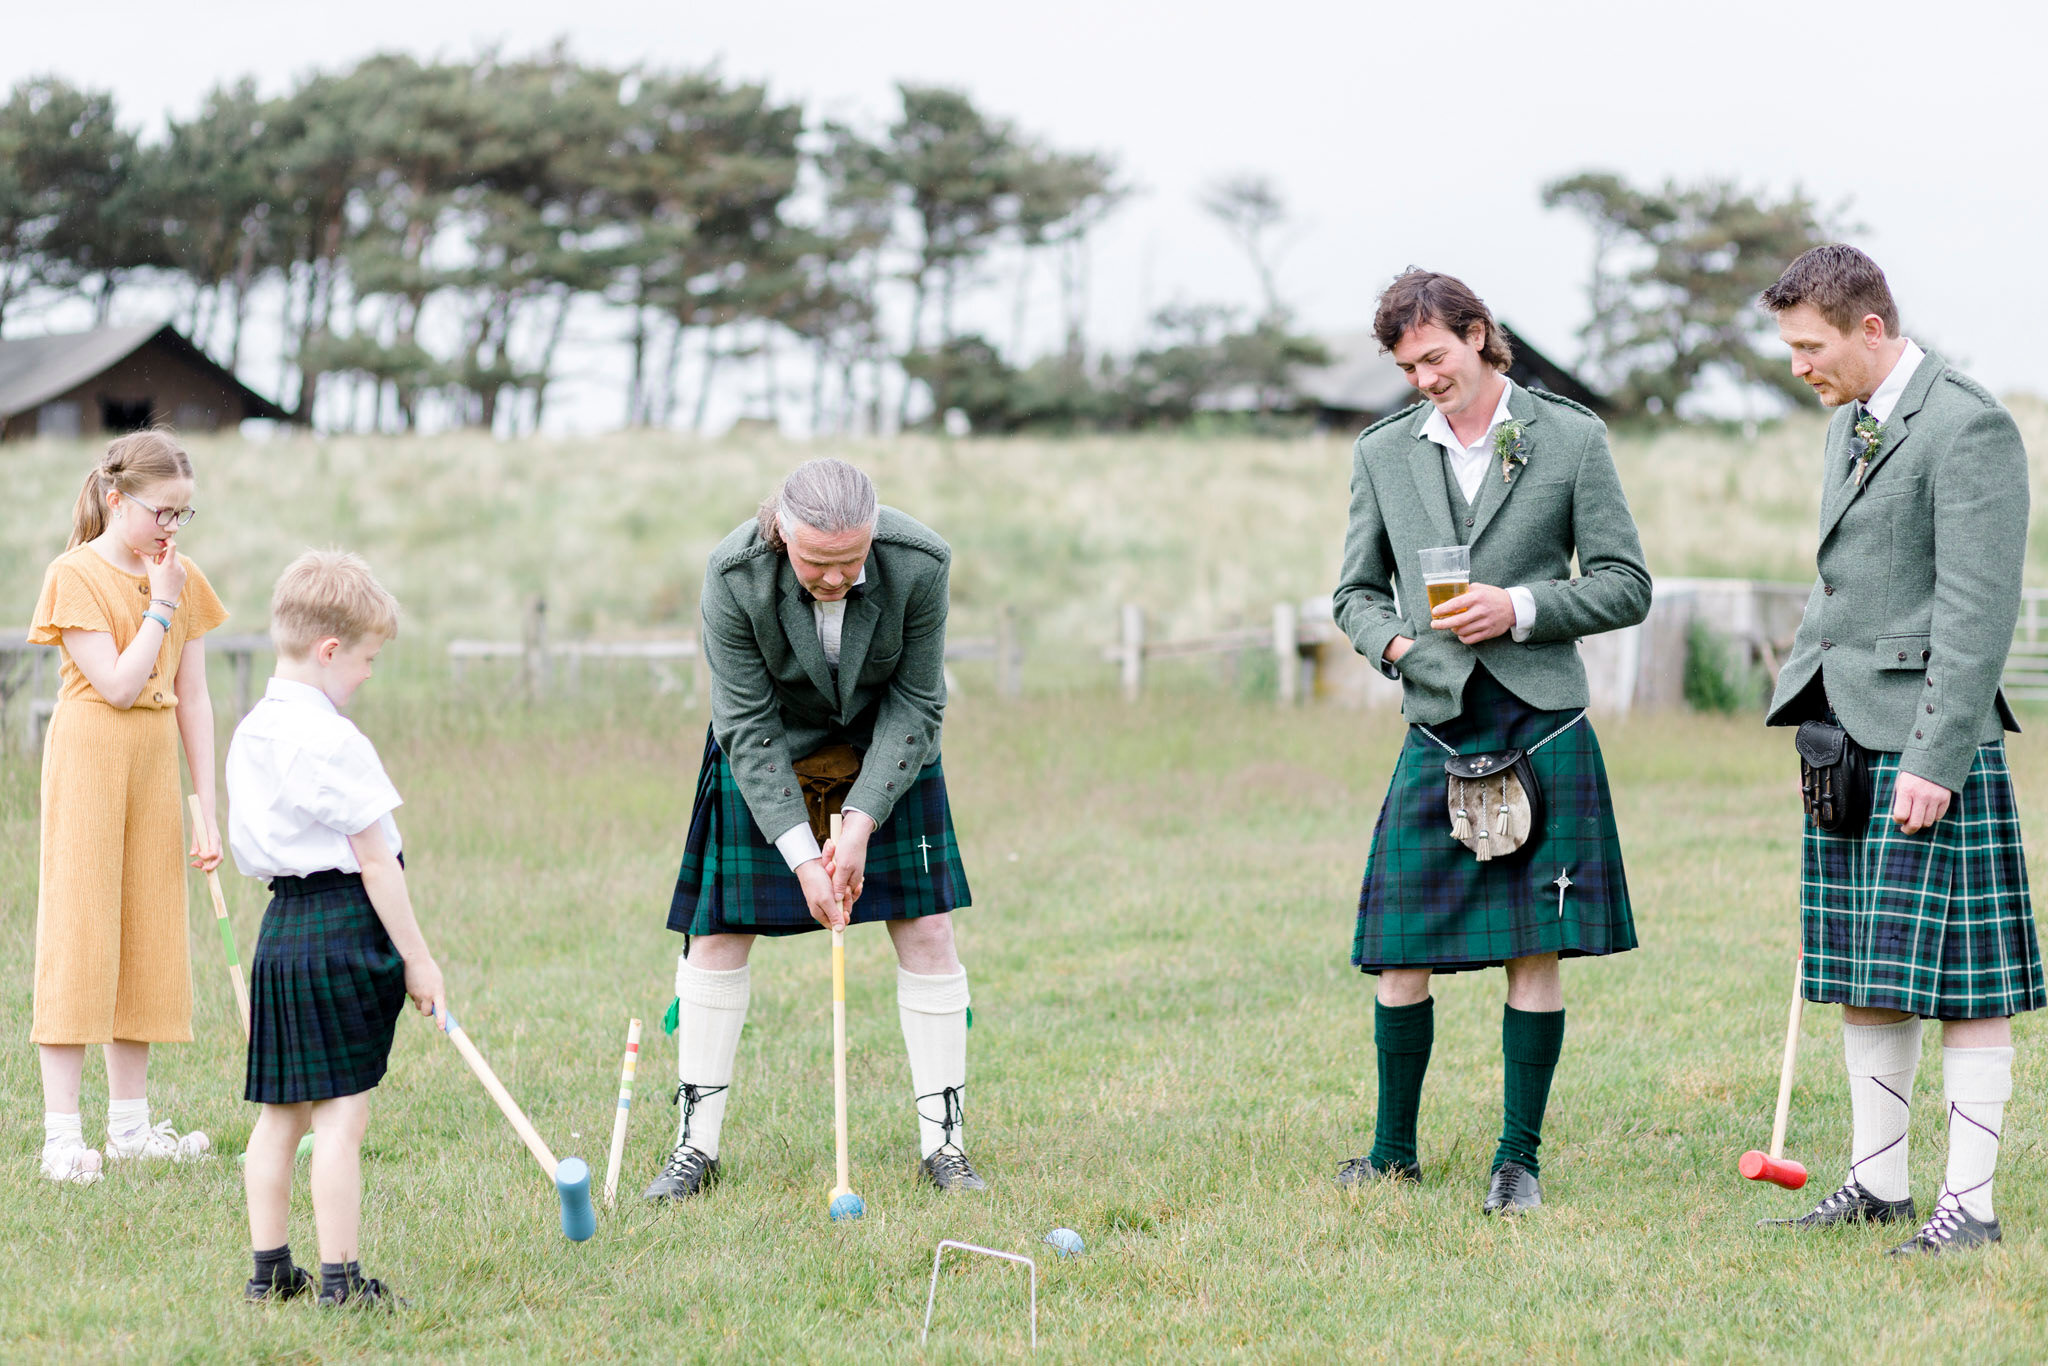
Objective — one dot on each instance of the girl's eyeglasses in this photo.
(168, 518)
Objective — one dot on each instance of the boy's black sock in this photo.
(339, 1280)
(275, 1266)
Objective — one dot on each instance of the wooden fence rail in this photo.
(1292, 641)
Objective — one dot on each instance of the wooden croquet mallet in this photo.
(1776, 1168)
(844, 1204)
(626, 1070)
(227, 926)
(571, 1175)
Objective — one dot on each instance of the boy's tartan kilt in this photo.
(1938, 924)
(734, 880)
(326, 987)
(1427, 902)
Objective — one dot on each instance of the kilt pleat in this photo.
(1427, 902)
(326, 987)
(733, 879)
(1938, 924)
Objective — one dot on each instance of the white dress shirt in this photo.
(1886, 396)
(301, 780)
(797, 844)
(1469, 465)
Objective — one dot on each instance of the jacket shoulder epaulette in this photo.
(1561, 401)
(1391, 418)
(1969, 386)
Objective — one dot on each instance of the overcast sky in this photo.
(1399, 134)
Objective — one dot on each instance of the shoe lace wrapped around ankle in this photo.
(690, 1095)
(952, 1117)
(950, 1164)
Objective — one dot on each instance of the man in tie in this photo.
(825, 633)
(1917, 909)
(1523, 480)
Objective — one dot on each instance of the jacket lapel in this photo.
(1494, 490)
(1897, 428)
(801, 630)
(856, 633)
(1426, 463)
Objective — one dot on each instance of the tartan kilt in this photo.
(326, 987)
(1938, 924)
(1427, 902)
(734, 881)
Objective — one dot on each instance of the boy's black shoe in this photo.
(1949, 1230)
(1514, 1190)
(1363, 1171)
(948, 1170)
(687, 1172)
(345, 1285)
(1849, 1204)
(278, 1287)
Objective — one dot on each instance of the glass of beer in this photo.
(1446, 572)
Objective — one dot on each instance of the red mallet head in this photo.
(1781, 1171)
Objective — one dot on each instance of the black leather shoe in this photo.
(1849, 1205)
(363, 1294)
(687, 1172)
(1363, 1171)
(1514, 1190)
(294, 1283)
(1949, 1230)
(948, 1170)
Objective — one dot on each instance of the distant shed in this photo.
(1361, 384)
(118, 379)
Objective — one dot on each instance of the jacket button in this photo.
(890, 786)
(766, 741)
(1468, 521)
(1930, 682)
(1902, 654)
(785, 792)
(905, 763)
(1828, 589)
(1827, 645)
(1918, 736)
(1926, 655)
(1930, 708)
(910, 739)
(771, 768)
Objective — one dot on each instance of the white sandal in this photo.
(72, 1162)
(157, 1143)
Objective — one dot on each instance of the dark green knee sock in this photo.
(1403, 1035)
(1529, 1044)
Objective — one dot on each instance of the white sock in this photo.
(127, 1117)
(1979, 1083)
(713, 1007)
(934, 1013)
(62, 1129)
(1881, 1061)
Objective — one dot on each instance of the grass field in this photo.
(1170, 1055)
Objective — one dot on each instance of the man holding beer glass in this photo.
(1496, 845)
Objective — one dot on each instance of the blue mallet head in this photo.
(1066, 1242)
(572, 1180)
(847, 1206)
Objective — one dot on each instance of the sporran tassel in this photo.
(1461, 820)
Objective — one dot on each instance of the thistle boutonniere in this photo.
(1868, 432)
(1512, 446)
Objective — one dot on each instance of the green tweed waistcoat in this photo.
(1910, 620)
(774, 699)
(1566, 500)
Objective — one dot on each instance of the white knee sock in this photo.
(126, 1117)
(713, 1007)
(62, 1129)
(1979, 1083)
(934, 1013)
(1881, 1061)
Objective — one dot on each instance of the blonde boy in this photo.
(309, 809)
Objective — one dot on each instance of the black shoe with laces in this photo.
(1513, 1190)
(687, 1172)
(361, 1293)
(277, 1289)
(1363, 1171)
(1949, 1229)
(948, 1170)
(1851, 1204)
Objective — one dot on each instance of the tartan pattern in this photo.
(1938, 924)
(1427, 902)
(733, 879)
(326, 987)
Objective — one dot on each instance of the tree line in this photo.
(417, 234)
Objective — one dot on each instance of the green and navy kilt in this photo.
(325, 990)
(735, 881)
(1428, 903)
(1938, 924)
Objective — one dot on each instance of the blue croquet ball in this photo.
(848, 1206)
(1066, 1242)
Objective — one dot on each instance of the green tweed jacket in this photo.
(1911, 617)
(773, 697)
(1567, 499)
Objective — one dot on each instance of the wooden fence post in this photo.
(1009, 656)
(1133, 651)
(245, 664)
(1287, 651)
(536, 657)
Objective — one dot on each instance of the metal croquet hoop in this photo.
(931, 1295)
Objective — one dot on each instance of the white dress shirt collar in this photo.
(1886, 396)
(301, 694)
(1437, 427)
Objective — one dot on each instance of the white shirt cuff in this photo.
(798, 846)
(1525, 611)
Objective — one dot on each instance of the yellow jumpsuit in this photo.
(111, 957)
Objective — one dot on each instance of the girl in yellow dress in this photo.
(126, 612)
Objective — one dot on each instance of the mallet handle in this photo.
(1791, 1057)
(520, 1124)
(227, 926)
(839, 1047)
(626, 1070)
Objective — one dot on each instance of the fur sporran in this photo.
(1494, 799)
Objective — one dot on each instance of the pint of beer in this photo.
(1446, 572)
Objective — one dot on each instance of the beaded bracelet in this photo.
(161, 621)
